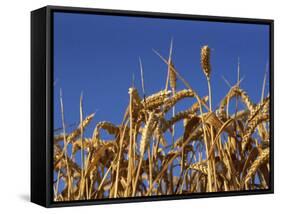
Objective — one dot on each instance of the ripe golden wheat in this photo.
(215, 152)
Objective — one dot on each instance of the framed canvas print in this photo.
(139, 106)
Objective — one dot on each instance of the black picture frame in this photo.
(42, 102)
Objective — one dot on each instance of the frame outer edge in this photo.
(48, 92)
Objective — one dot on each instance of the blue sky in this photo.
(98, 55)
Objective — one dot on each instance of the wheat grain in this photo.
(205, 60)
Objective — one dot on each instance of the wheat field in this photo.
(216, 151)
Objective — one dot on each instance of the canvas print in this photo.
(147, 107)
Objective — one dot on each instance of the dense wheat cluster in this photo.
(217, 150)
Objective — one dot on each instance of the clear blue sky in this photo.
(98, 55)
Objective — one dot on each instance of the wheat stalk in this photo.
(213, 151)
